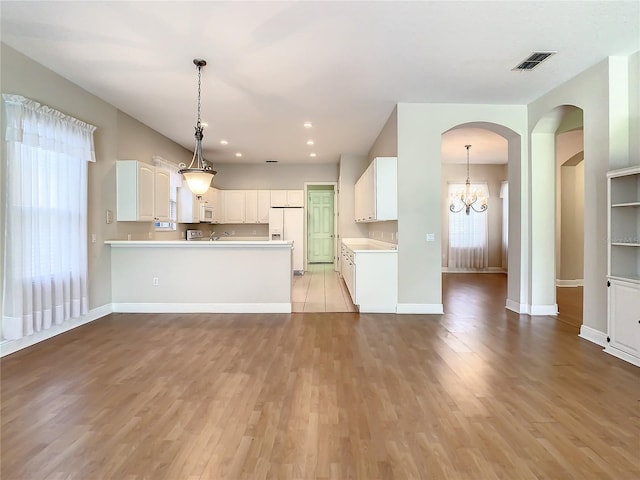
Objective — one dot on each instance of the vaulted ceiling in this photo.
(341, 65)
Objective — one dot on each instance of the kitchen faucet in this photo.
(212, 238)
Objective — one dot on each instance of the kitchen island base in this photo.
(201, 277)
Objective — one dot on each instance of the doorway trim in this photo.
(334, 186)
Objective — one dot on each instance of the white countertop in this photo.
(369, 245)
(202, 243)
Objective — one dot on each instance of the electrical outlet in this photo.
(150, 235)
(155, 281)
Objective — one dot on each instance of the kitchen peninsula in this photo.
(201, 276)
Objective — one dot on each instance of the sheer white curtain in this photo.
(468, 234)
(504, 195)
(45, 248)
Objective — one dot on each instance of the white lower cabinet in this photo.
(623, 338)
(370, 271)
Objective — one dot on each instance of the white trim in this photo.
(377, 308)
(202, 307)
(8, 347)
(622, 355)
(520, 308)
(593, 335)
(420, 308)
(577, 282)
(474, 270)
(543, 309)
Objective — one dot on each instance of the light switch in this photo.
(431, 237)
(93, 238)
(109, 216)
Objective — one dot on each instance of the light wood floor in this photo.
(320, 289)
(480, 393)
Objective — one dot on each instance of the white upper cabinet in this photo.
(250, 206)
(264, 203)
(287, 198)
(234, 206)
(142, 192)
(162, 195)
(376, 191)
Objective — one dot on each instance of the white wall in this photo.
(606, 146)
(634, 109)
(420, 128)
(493, 175)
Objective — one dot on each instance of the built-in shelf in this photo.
(623, 325)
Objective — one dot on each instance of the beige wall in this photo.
(117, 136)
(493, 175)
(606, 147)
(385, 145)
(272, 176)
(351, 167)
(570, 203)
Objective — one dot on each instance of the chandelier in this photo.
(468, 199)
(199, 174)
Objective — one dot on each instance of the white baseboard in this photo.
(578, 282)
(543, 309)
(8, 347)
(593, 335)
(520, 308)
(202, 307)
(534, 310)
(420, 308)
(377, 308)
(622, 355)
(474, 270)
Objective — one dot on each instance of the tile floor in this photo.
(320, 289)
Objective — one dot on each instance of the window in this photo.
(45, 271)
(176, 182)
(468, 234)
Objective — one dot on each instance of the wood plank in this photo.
(477, 393)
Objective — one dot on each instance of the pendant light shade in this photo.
(199, 174)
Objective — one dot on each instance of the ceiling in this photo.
(340, 65)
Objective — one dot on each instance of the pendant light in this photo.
(467, 199)
(199, 174)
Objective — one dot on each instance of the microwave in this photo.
(206, 213)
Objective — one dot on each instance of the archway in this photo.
(548, 152)
(508, 149)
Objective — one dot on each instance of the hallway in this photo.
(320, 289)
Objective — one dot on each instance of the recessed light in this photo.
(307, 125)
(238, 154)
(312, 154)
(224, 142)
(309, 142)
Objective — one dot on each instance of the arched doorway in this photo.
(496, 154)
(557, 213)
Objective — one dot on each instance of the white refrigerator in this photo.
(288, 224)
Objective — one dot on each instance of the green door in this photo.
(320, 226)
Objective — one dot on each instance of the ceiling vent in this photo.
(271, 161)
(532, 61)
